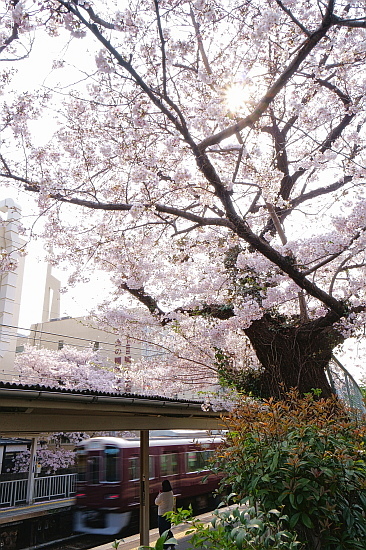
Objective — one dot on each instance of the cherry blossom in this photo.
(69, 368)
(240, 230)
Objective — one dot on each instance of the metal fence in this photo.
(14, 493)
(345, 386)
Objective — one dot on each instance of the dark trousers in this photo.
(164, 525)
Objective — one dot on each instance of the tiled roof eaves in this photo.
(41, 387)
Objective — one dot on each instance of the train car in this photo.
(107, 494)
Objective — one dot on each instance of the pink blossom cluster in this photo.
(190, 204)
(69, 368)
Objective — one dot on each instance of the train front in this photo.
(100, 504)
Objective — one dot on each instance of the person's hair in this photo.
(166, 485)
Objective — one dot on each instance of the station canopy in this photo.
(27, 410)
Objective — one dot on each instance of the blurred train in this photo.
(107, 496)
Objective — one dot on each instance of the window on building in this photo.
(61, 439)
(19, 349)
(168, 464)
(96, 346)
(8, 462)
(60, 344)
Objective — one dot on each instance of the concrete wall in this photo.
(80, 333)
(10, 287)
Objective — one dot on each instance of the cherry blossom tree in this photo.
(69, 368)
(85, 369)
(239, 225)
(50, 459)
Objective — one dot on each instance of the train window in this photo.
(168, 464)
(93, 464)
(111, 472)
(134, 467)
(197, 460)
(81, 465)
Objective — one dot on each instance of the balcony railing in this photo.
(14, 493)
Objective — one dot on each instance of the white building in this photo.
(81, 333)
(11, 281)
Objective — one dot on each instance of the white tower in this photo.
(51, 300)
(10, 287)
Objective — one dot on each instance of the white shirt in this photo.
(164, 501)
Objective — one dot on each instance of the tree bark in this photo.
(293, 356)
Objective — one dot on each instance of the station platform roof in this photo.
(27, 410)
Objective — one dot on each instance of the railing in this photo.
(13, 493)
(345, 386)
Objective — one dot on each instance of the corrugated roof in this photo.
(33, 409)
(58, 389)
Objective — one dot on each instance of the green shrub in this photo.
(305, 457)
(162, 540)
(239, 528)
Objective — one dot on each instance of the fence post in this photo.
(31, 472)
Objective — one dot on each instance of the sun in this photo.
(235, 98)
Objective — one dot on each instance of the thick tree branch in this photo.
(327, 19)
(14, 36)
(294, 203)
(293, 18)
(352, 23)
(123, 207)
(337, 131)
(145, 299)
(274, 90)
(98, 20)
(319, 192)
(345, 98)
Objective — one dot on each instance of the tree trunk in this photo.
(293, 355)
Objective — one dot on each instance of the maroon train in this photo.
(108, 482)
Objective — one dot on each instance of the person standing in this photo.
(165, 503)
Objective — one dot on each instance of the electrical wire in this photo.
(40, 338)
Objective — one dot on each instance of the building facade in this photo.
(81, 333)
(11, 281)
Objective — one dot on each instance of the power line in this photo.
(36, 338)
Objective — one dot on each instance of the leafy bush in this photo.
(305, 457)
(163, 542)
(239, 528)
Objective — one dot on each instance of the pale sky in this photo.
(76, 301)
(32, 74)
